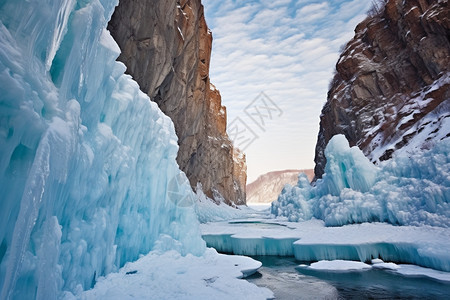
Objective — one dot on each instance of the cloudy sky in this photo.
(272, 61)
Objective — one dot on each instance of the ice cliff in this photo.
(88, 171)
(166, 46)
(411, 189)
(391, 89)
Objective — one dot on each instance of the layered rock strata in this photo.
(166, 46)
(391, 89)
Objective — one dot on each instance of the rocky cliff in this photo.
(166, 46)
(391, 89)
(266, 188)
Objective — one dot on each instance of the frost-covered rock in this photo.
(86, 159)
(410, 189)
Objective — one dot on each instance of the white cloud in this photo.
(287, 49)
(313, 8)
(312, 12)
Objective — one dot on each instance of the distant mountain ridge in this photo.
(266, 188)
(391, 89)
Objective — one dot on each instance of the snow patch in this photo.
(339, 265)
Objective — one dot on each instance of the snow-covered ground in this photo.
(172, 276)
(259, 206)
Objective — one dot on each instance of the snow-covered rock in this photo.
(391, 90)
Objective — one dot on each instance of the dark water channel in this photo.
(283, 276)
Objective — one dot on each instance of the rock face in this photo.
(391, 89)
(166, 46)
(268, 187)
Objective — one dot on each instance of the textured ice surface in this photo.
(86, 159)
(426, 246)
(410, 189)
(171, 276)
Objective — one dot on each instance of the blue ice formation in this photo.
(228, 243)
(86, 159)
(410, 189)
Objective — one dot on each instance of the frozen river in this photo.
(350, 266)
(283, 276)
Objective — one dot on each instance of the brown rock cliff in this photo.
(166, 46)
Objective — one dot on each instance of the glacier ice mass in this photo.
(410, 189)
(86, 159)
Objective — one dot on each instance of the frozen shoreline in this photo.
(424, 246)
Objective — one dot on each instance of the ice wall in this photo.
(410, 189)
(86, 159)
